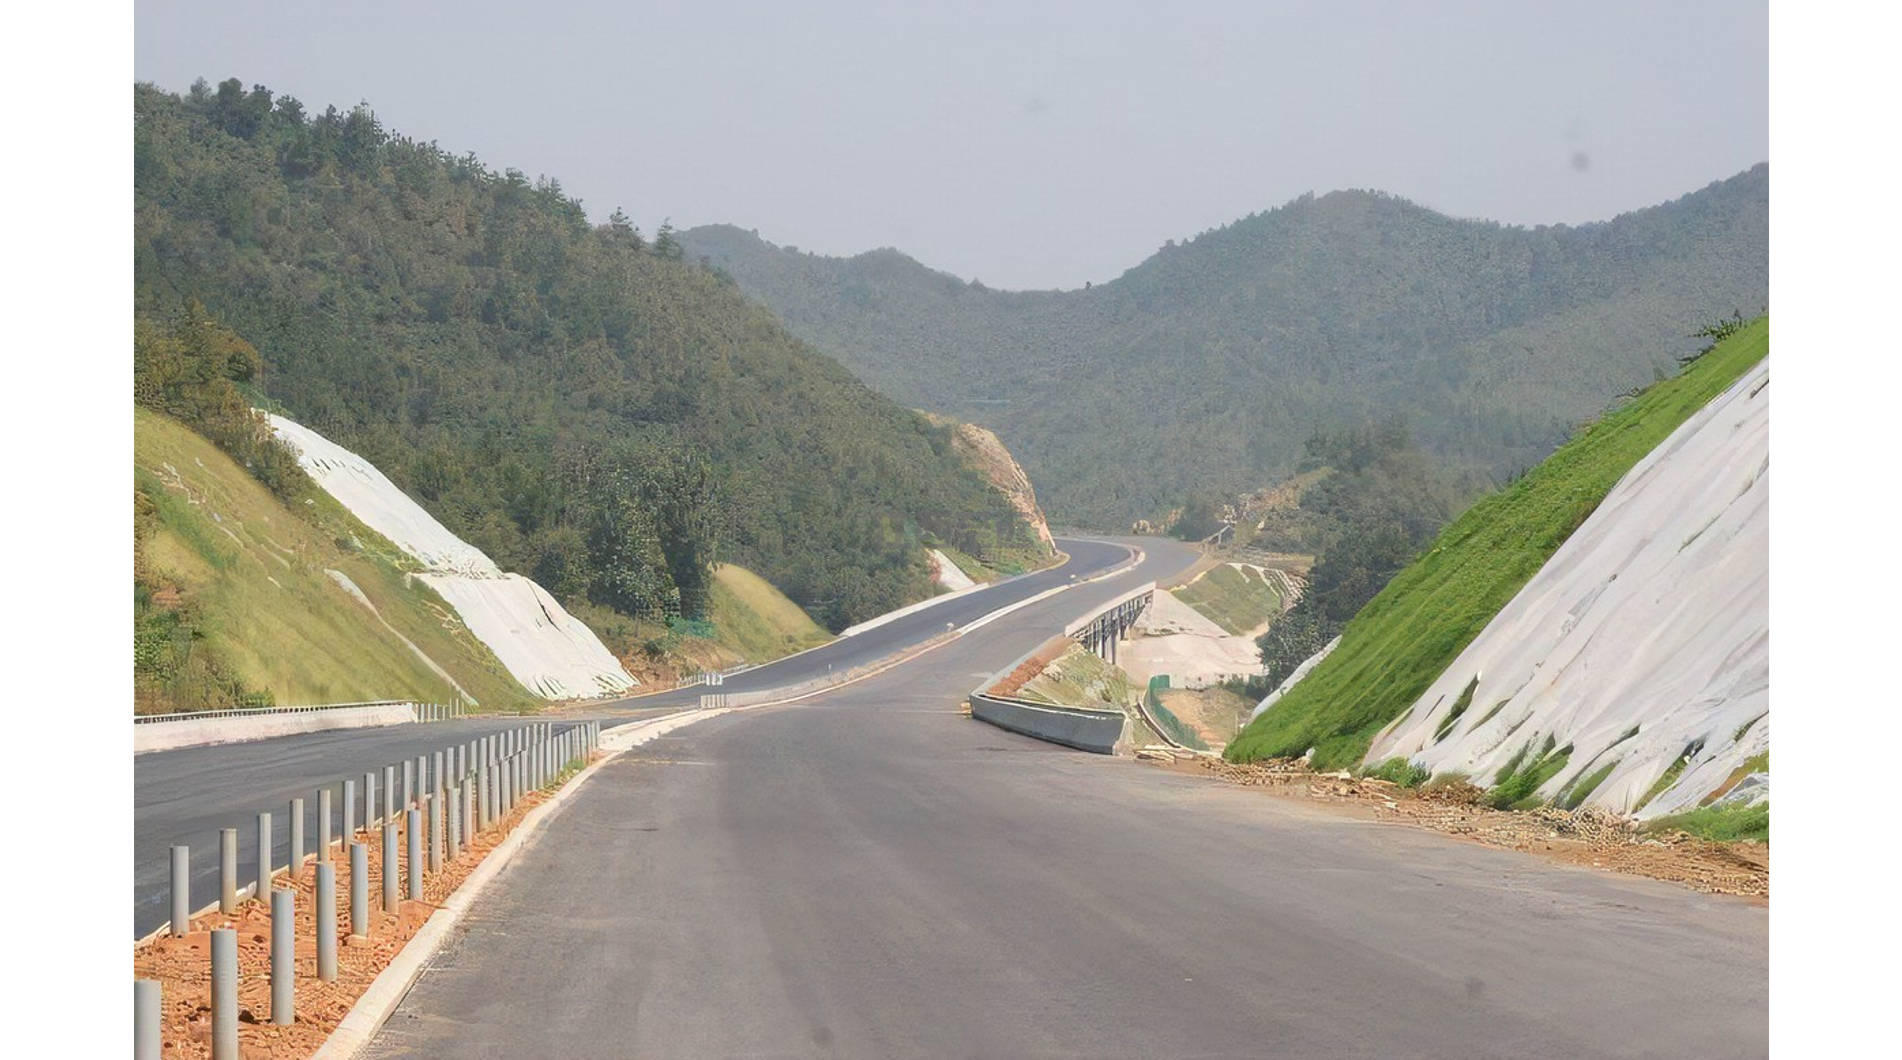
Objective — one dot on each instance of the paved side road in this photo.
(871, 874)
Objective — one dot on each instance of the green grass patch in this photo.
(1394, 649)
(1514, 788)
(1729, 823)
(1236, 599)
(756, 620)
(1581, 788)
(1399, 771)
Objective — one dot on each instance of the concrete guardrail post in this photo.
(422, 777)
(323, 824)
(326, 920)
(415, 823)
(283, 957)
(390, 870)
(409, 785)
(482, 793)
(147, 1041)
(435, 833)
(349, 811)
(181, 890)
(228, 871)
(297, 839)
(263, 893)
(468, 814)
(437, 782)
(508, 785)
(390, 811)
(224, 994)
(359, 890)
(369, 801)
(452, 821)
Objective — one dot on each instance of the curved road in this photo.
(870, 874)
(186, 796)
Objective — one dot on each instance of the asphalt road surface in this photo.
(186, 796)
(1087, 559)
(871, 874)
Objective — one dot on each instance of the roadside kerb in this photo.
(168, 732)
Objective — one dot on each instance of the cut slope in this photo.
(549, 651)
(1644, 641)
(265, 587)
(753, 618)
(1413, 630)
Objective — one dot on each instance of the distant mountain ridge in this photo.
(1216, 358)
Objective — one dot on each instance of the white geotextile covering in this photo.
(548, 650)
(1654, 615)
(1294, 678)
(950, 575)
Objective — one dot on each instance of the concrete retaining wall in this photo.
(1098, 731)
(237, 728)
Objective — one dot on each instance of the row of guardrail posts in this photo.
(448, 798)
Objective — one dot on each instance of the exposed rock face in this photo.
(983, 451)
(1642, 645)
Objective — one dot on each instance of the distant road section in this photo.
(1088, 558)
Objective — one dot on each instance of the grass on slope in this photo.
(1408, 634)
(756, 620)
(1237, 599)
(251, 572)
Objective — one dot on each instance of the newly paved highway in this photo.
(187, 796)
(871, 874)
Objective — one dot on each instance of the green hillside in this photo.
(579, 402)
(1406, 637)
(234, 603)
(1217, 357)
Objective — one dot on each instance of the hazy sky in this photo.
(1024, 144)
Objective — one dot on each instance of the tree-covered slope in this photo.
(1395, 647)
(577, 402)
(1214, 359)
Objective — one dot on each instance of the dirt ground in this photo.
(1588, 837)
(183, 965)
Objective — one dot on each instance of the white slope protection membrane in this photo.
(549, 651)
(1653, 616)
(949, 574)
(1294, 678)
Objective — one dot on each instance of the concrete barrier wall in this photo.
(1097, 731)
(194, 732)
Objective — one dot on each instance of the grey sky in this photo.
(1026, 145)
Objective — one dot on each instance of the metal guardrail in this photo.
(258, 712)
(445, 801)
(425, 711)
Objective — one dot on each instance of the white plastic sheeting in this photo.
(950, 575)
(548, 650)
(1654, 616)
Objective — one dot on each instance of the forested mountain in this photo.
(581, 404)
(1202, 370)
